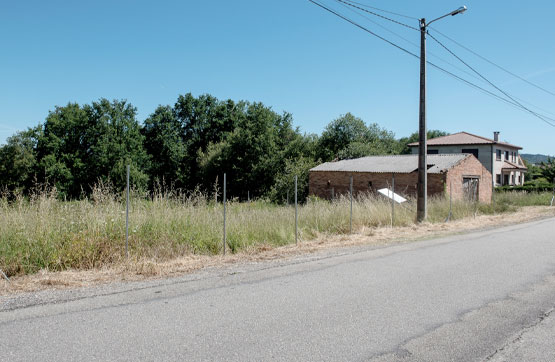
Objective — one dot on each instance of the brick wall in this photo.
(325, 183)
(470, 167)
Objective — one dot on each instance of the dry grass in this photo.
(49, 243)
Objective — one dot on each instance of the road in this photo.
(486, 295)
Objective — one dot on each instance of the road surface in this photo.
(487, 295)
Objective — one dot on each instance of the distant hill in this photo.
(535, 158)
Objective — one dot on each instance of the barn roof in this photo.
(393, 164)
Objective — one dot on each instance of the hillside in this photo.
(535, 158)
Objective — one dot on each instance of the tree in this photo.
(165, 147)
(284, 182)
(339, 134)
(18, 161)
(548, 169)
(404, 149)
(80, 145)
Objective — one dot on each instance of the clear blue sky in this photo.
(288, 54)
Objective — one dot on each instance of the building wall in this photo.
(470, 168)
(487, 155)
(324, 184)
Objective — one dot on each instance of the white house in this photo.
(499, 158)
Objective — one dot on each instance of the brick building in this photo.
(461, 173)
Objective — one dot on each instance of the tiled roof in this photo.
(513, 166)
(463, 138)
(393, 164)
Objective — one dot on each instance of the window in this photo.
(473, 151)
(433, 152)
(506, 155)
(512, 179)
(498, 179)
(498, 155)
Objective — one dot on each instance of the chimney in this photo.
(496, 136)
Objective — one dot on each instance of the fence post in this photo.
(475, 198)
(332, 193)
(248, 196)
(4, 275)
(127, 217)
(450, 202)
(225, 199)
(296, 215)
(351, 196)
(392, 199)
(553, 197)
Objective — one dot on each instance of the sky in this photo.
(289, 54)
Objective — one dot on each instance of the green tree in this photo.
(339, 134)
(165, 146)
(80, 145)
(284, 182)
(18, 161)
(548, 170)
(404, 149)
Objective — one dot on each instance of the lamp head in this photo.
(460, 10)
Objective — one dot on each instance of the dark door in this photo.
(471, 188)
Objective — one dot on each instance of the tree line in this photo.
(187, 146)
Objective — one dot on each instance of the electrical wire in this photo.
(384, 11)
(511, 101)
(491, 83)
(376, 14)
(415, 44)
(494, 64)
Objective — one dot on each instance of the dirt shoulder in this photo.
(139, 270)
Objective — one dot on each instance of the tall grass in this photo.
(43, 232)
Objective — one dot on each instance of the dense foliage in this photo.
(187, 146)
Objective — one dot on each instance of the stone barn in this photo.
(461, 173)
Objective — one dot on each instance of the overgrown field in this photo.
(42, 232)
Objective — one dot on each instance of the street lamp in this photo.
(422, 201)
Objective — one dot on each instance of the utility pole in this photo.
(422, 189)
(422, 201)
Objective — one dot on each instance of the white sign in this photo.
(390, 194)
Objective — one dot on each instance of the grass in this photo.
(43, 232)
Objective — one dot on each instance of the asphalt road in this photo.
(483, 296)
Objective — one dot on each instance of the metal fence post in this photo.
(248, 196)
(296, 215)
(392, 199)
(351, 196)
(553, 197)
(4, 275)
(225, 199)
(127, 217)
(450, 202)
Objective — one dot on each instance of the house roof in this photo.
(393, 164)
(463, 138)
(513, 166)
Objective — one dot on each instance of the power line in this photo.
(494, 64)
(487, 80)
(513, 102)
(376, 14)
(363, 28)
(384, 11)
(414, 44)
